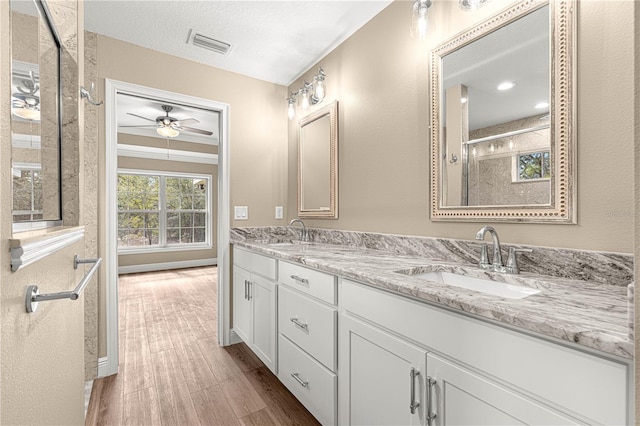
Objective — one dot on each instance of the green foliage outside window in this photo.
(534, 166)
(147, 202)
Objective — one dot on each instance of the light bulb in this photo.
(167, 131)
(26, 113)
(305, 99)
(318, 92)
(420, 22)
(507, 85)
(291, 111)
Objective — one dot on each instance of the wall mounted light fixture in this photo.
(419, 21)
(25, 103)
(309, 94)
(471, 4)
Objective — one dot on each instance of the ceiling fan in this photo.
(170, 127)
(25, 103)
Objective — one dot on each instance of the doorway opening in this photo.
(156, 210)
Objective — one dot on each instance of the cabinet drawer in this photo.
(309, 324)
(255, 263)
(553, 372)
(316, 283)
(310, 382)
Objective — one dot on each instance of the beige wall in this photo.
(380, 77)
(258, 132)
(42, 354)
(637, 200)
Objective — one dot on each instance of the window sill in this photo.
(30, 246)
(149, 249)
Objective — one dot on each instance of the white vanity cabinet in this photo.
(481, 373)
(254, 304)
(307, 327)
(381, 377)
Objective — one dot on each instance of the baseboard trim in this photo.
(234, 338)
(148, 267)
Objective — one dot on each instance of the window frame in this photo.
(162, 219)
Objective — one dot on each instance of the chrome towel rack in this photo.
(33, 296)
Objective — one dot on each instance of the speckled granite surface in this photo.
(584, 301)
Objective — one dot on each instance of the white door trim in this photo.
(112, 88)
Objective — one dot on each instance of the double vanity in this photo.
(381, 329)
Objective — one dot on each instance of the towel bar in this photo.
(33, 296)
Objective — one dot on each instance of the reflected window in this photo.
(534, 165)
(163, 211)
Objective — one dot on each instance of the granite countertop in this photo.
(587, 313)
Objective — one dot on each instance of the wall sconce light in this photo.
(471, 4)
(310, 94)
(419, 21)
(25, 103)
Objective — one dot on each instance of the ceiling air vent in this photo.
(208, 43)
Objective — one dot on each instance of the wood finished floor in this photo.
(172, 371)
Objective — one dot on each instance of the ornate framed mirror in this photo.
(502, 118)
(318, 164)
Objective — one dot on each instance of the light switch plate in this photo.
(279, 212)
(241, 212)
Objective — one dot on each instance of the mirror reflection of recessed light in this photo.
(463, 100)
(542, 105)
(506, 85)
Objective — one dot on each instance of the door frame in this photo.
(112, 88)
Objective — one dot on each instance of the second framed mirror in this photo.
(318, 164)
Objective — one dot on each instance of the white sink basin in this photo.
(481, 285)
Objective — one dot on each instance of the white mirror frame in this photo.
(332, 213)
(562, 208)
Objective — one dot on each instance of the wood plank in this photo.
(281, 404)
(259, 418)
(244, 357)
(241, 396)
(212, 407)
(138, 371)
(141, 408)
(220, 362)
(176, 406)
(157, 331)
(194, 367)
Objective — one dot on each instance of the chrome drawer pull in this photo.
(413, 404)
(300, 279)
(299, 380)
(431, 414)
(302, 325)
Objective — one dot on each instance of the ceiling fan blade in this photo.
(139, 116)
(193, 130)
(188, 121)
(150, 125)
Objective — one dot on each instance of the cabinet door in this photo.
(241, 304)
(262, 293)
(376, 381)
(460, 397)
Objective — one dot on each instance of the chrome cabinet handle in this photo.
(249, 284)
(413, 404)
(245, 289)
(302, 325)
(431, 414)
(303, 383)
(300, 279)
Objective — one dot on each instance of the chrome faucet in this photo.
(496, 263)
(304, 234)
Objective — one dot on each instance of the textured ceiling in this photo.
(276, 41)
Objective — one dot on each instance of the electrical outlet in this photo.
(241, 212)
(279, 212)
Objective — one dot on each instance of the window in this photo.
(157, 210)
(27, 192)
(533, 166)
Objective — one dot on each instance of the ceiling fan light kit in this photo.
(170, 127)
